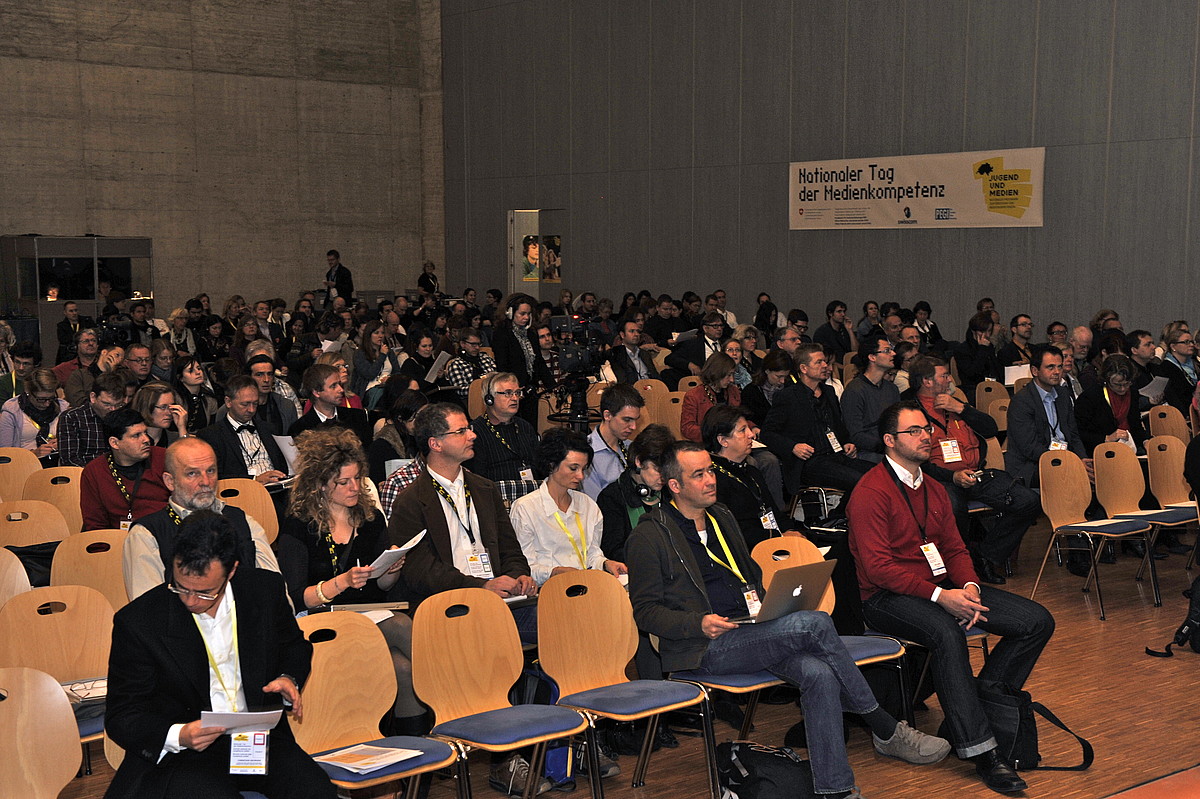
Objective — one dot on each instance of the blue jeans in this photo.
(805, 650)
(1026, 628)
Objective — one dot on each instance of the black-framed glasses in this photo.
(916, 430)
(514, 393)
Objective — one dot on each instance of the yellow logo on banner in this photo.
(1005, 191)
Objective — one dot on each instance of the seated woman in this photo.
(374, 363)
(162, 410)
(558, 525)
(747, 336)
(197, 398)
(759, 396)
(1180, 367)
(734, 349)
(420, 360)
(214, 342)
(394, 441)
(623, 501)
(179, 335)
(328, 541)
(1108, 412)
(716, 388)
(30, 419)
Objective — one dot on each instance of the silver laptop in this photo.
(792, 589)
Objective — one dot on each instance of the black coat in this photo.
(225, 442)
(1094, 417)
(353, 419)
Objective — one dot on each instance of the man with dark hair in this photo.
(196, 315)
(504, 442)
(620, 409)
(127, 482)
(957, 460)
(26, 356)
(141, 330)
(917, 583)
(1141, 352)
(322, 383)
(976, 355)
(1041, 417)
(68, 330)
(665, 324)
(629, 362)
(80, 430)
(338, 280)
(242, 447)
(470, 365)
(837, 334)
(865, 397)
(138, 362)
(689, 357)
(1016, 351)
(219, 635)
(275, 412)
(690, 572)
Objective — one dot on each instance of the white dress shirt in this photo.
(460, 543)
(545, 545)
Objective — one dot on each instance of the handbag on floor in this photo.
(1010, 713)
(1188, 633)
(753, 771)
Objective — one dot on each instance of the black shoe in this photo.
(664, 738)
(996, 774)
(1138, 550)
(986, 571)
(730, 713)
(1078, 567)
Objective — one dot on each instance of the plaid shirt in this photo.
(397, 481)
(461, 372)
(80, 436)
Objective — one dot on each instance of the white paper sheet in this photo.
(288, 447)
(242, 722)
(437, 367)
(389, 556)
(1154, 388)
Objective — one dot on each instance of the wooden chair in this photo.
(586, 639)
(1165, 455)
(954, 372)
(1166, 420)
(670, 411)
(959, 395)
(989, 390)
(475, 406)
(1066, 493)
(690, 381)
(13, 577)
(466, 657)
(39, 751)
(849, 372)
(60, 487)
(998, 410)
(995, 454)
(16, 464)
(660, 359)
(593, 394)
(352, 686)
(1020, 383)
(253, 498)
(25, 522)
(93, 559)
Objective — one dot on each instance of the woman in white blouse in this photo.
(30, 419)
(558, 525)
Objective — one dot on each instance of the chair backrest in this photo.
(475, 406)
(586, 632)
(253, 498)
(30, 521)
(1119, 481)
(670, 412)
(13, 577)
(372, 491)
(650, 385)
(1065, 488)
(546, 407)
(1021, 382)
(16, 464)
(783, 552)
(848, 359)
(995, 454)
(660, 359)
(352, 684)
(959, 394)
(63, 630)
(93, 559)
(593, 394)
(60, 487)
(39, 751)
(954, 371)
(1166, 420)
(466, 653)
(691, 381)
(1166, 455)
(988, 390)
(849, 372)
(998, 410)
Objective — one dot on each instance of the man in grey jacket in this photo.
(690, 571)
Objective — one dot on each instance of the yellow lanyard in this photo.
(731, 565)
(212, 661)
(579, 546)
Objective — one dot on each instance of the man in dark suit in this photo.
(243, 448)
(322, 383)
(68, 329)
(689, 357)
(338, 280)
(1041, 417)
(629, 362)
(274, 411)
(213, 638)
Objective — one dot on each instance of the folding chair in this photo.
(93, 559)
(60, 487)
(253, 498)
(39, 751)
(1166, 420)
(466, 657)
(586, 639)
(16, 464)
(25, 522)
(1165, 455)
(1066, 492)
(352, 685)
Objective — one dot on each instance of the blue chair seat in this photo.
(1118, 527)
(742, 682)
(634, 697)
(432, 752)
(507, 725)
(862, 647)
(90, 726)
(975, 506)
(1164, 516)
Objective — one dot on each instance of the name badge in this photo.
(933, 558)
(1056, 444)
(248, 752)
(527, 474)
(479, 564)
(768, 520)
(951, 451)
(126, 524)
(750, 594)
(833, 440)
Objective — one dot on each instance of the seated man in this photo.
(837, 334)
(81, 430)
(620, 409)
(868, 394)
(689, 357)
(26, 356)
(958, 453)
(323, 384)
(690, 571)
(917, 583)
(1016, 351)
(208, 639)
(470, 365)
(628, 361)
(244, 449)
(126, 483)
(804, 429)
(85, 348)
(275, 411)
(504, 442)
(191, 476)
(1041, 417)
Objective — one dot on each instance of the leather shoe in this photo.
(987, 571)
(996, 774)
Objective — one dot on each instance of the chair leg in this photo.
(906, 699)
(710, 746)
(1150, 539)
(748, 717)
(643, 761)
(536, 764)
(1053, 545)
(1149, 556)
(593, 759)
(1094, 574)
(1191, 561)
(462, 772)
(87, 759)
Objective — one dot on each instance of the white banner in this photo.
(989, 188)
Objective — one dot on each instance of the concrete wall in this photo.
(665, 128)
(245, 138)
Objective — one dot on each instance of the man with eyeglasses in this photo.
(689, 357)
(80, 430)
(244, 448)
(218, 635)
(470, 365)
(137, 361)
(504, 442)
(917, 583)
(1016, 351)
(866, 396)
(85, 348)
(26, 356)
(190, 474)
(126, 482)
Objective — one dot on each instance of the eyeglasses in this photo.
(515, 393)
(36, 398)
(185, 593)
(459, 432)
(916, 430)
(138, 360)
(165, 407)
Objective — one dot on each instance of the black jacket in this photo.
(225, 442)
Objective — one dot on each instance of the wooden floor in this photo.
(1140, 713)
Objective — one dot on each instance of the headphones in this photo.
(488, 399)
(642, 489)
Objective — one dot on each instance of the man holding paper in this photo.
(214, 638)
(244, 448)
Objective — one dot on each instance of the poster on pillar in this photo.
(988, 188)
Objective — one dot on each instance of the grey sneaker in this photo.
(510, 777)
(608, 766)
(912, 746)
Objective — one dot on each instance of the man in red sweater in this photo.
(126, 483)
(917, 583)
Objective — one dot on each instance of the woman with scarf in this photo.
(180, 336)
(1180, 368)
(514, 352)
(30, 419)
(197, 399)
(162, 360)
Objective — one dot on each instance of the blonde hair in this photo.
(321, 455)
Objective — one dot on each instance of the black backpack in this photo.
(753, 771)
(1189, 631)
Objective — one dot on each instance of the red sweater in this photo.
(886, 541)
(103, 505)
